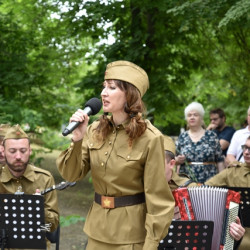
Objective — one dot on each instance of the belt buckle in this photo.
(108, 202)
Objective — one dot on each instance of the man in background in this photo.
(218, 124)
(18, 175)
(234, 152)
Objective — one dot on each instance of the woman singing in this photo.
(133, 205)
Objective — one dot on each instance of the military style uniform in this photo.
(234, 176)
(181, 180)
(119, 170)
(32, 179)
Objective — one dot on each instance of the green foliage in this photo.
(39, 63)
(68, 220)
(239, 11)
(53, 140)
(54, 53)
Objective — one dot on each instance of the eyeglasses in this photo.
(245, 148)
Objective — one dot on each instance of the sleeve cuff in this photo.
(75, 144)
(150, 244)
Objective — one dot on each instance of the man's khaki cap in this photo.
(169, 144)
(3, 129)
(128, 72)
(15, 132)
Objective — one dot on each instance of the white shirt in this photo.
(239, 138)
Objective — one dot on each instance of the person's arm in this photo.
(159, 199)
(230, 159)
(73, 163)
(224, 144)
(220, 166)
(180, 159)
(219, 179)
(211, 126)
(218, 154)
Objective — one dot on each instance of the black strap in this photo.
(124, 201)
(187, 183)
(240, 156)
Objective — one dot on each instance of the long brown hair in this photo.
(134, 107)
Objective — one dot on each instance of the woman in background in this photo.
(199, 151)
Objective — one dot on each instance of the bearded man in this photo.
(18, 175)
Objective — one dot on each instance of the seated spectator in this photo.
(18, 175)
(234, 152)
(175, 181)
(199, 151)
(218, 125)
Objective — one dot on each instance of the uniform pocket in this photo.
(133, 155)
(95, 145)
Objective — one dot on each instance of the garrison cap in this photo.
(128, 72)
(169, 144)
(3, 129)
(15, 132)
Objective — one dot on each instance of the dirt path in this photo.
(74, 200)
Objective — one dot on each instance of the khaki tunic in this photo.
(120, 170)
(238, 176)
(32, 179)
(180, 181)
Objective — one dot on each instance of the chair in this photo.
(54, 237)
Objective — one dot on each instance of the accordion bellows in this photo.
(219, 205)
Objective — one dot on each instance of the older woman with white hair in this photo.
(199, 152)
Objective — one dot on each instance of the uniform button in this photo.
(118, 127)
(102, 164)
(128, 157)
(106, 153)
(91, 144)
(72, 144)
(110, 142)
(113, 131)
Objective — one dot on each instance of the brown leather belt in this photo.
(202, 163)
(122, 201)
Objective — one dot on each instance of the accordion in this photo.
(244, 204)
(219, 205)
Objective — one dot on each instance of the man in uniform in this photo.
(20, 176)
(177, 181)
(236, 176)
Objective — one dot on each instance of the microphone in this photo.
(92, 107)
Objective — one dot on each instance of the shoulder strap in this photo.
(187, 183)
(240, 156)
